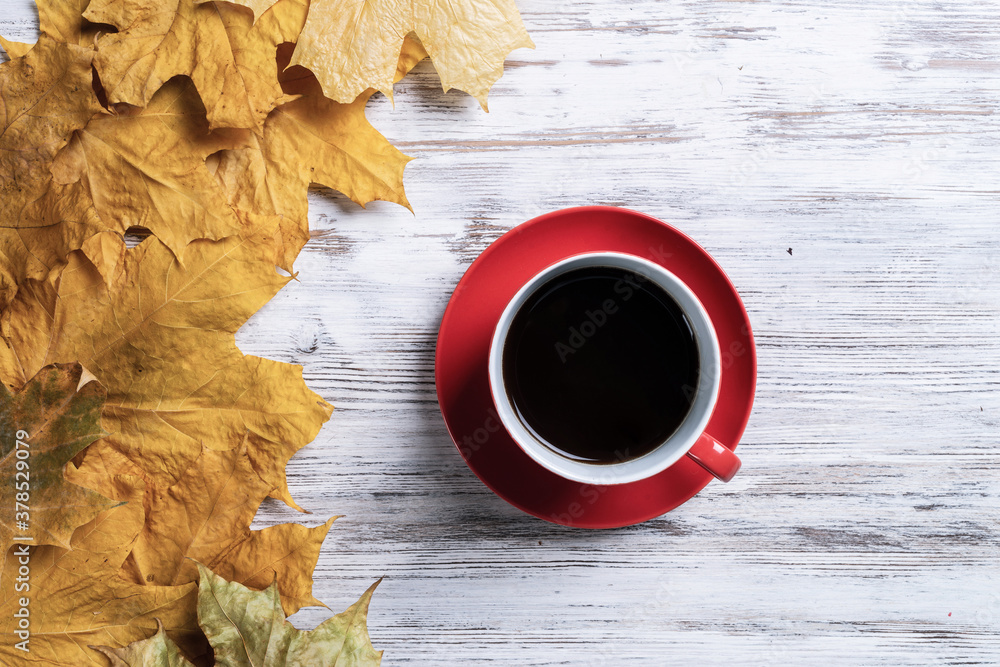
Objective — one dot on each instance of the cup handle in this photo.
(715, 457)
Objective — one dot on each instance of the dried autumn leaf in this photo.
(44, 96)
(353, 45)
(49, 227)
(146, 168)
(206, 516)
(107, 253)
(247, 627)
(157, 651)
(76, 597)
(162, 342)
(54, 419)
(106, 469)
(14, 49)
(334, 145)
(252, 561)
(139, 167)
(230, 60)
(63, 21)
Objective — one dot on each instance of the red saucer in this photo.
(463, 349)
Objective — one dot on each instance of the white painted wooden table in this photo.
(840, 160)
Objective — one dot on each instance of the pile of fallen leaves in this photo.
(136, 440)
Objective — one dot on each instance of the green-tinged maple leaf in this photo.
(157, 651)
(42, 427)
(247, 627)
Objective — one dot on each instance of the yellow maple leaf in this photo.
(206, 516)
(46, 424)
(132, 168)
(257, 559)
(14, 49)
(146, 168)
(75, 598)
(61, 20)
(39, 110)
(162, 342)
(44, 96)
(230, 60)
(353, 45)
(334, 144)
(106, 252)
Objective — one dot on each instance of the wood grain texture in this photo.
(839, 159)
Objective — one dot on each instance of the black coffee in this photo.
(601, 363)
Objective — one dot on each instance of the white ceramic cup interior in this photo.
(678, 444)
